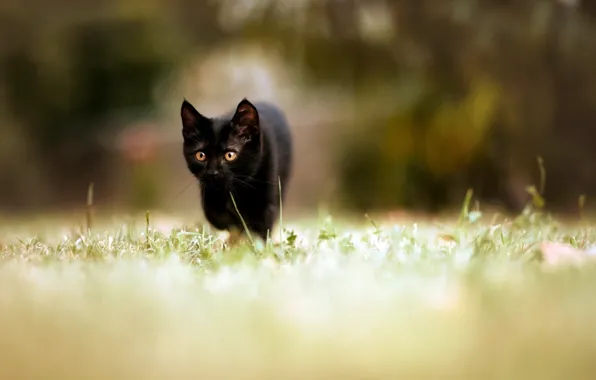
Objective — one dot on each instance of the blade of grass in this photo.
(465, 210)
(243, 223)
(89, 214)
(281, 230)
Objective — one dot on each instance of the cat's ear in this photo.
(192, 120)
(246, 119)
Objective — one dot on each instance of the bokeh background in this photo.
(394, 104)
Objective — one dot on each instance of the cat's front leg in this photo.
(236, 236)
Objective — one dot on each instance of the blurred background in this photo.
(394, 104)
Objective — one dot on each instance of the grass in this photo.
(466, 299)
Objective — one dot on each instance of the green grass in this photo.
(458, 300)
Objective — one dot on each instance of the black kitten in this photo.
(244, 154)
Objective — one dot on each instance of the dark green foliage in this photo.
(465, 94)
(478, 88)
(69, 85)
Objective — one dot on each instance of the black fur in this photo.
(260, 136)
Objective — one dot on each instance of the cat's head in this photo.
(218, 150)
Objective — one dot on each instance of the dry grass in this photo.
(468, 301)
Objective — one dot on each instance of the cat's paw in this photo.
(235, 238)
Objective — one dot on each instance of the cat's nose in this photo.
(212, 173)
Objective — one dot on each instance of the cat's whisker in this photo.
(184, 189)
(243, 183)
(255, 180)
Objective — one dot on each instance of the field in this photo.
(371, 299)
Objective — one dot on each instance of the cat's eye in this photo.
(230, 156)
(200, 156)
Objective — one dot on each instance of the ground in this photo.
(465, 299)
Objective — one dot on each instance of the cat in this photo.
(246, 154)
